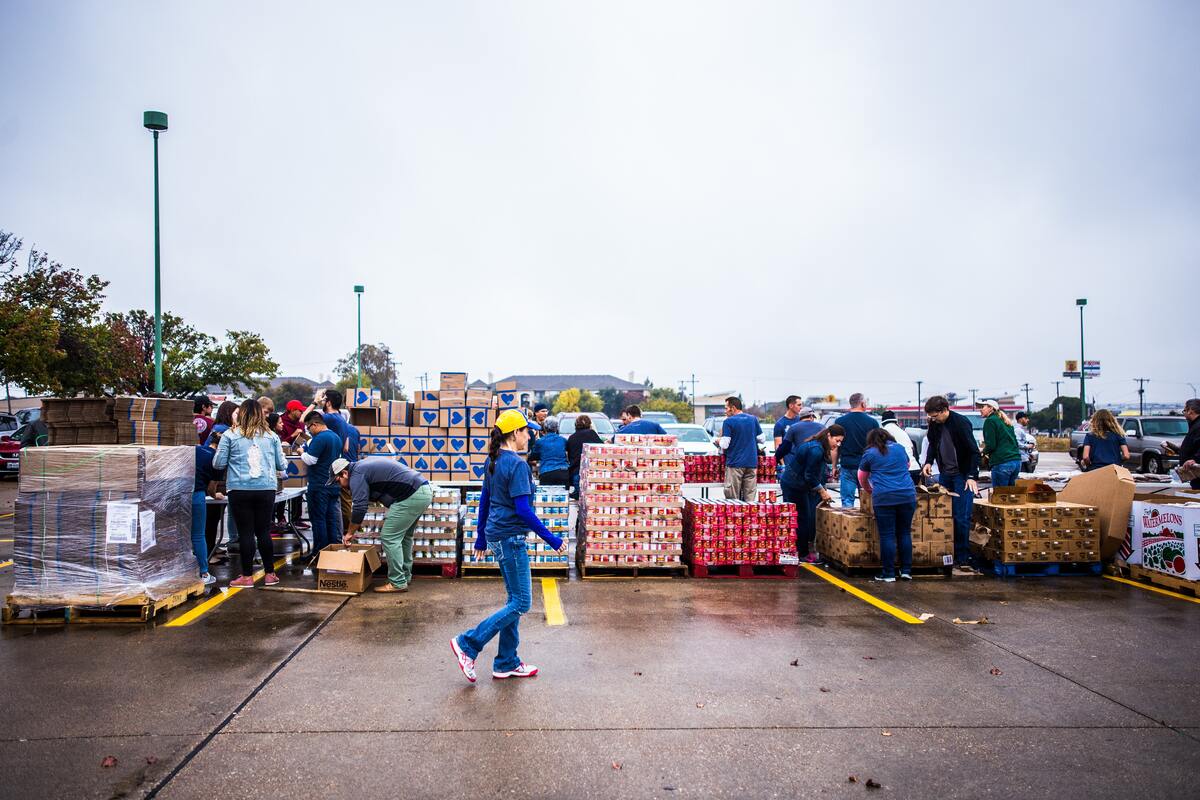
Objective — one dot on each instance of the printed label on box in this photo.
(146, 523)
(120, 523)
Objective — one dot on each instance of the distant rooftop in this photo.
(558, 383)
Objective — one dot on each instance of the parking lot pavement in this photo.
(668, 688)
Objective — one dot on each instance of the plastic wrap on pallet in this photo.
(103, 525)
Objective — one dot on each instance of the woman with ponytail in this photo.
(505, 518)
(803, 483)
(1000, 444)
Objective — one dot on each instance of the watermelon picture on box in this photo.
(1170, 538)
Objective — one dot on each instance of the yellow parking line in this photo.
(6, 516)
(5, 540)
(866, 598)
(552, 602)
(4, 564)
(208, 605)
(1145, 586)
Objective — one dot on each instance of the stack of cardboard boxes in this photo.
(1028, 524)
(848, 536)
(552, 506)
(123, 420)
(81, 420)
(446, 437)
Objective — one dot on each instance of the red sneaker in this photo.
(522, 671)
(243, 582)
(271, 579)
(465, 662)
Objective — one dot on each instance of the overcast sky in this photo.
(778, 197)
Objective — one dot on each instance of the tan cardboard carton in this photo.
(1110, 490)
(347, 567)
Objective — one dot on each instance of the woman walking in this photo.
(505, 517)
(1104, 444)
(803, 483)
(883, 471)
(253, 458)
(1000, 444)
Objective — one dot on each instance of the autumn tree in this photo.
(378, 371)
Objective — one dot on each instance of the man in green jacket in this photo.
(1000, 444)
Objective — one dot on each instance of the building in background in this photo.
(535, 389)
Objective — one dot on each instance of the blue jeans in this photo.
(806, 514)
(848, 485)
(895, 525)
(325, 515)
(1005, 474)
(513, 561)
(199, 543)
(962, 505)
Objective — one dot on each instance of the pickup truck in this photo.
(1146, 437)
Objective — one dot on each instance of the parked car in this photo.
(8, 425)
(1146, 437)
(600, 423)
(10, 457)
(661, 417)
(694, 440)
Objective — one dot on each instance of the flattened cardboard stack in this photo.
(552, 506)
(632, 502)
(103, 525)
(81, 420)
(155, 421)
(1028, 524)
(848, 535)
(447, 437)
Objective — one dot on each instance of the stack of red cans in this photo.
(735, 532)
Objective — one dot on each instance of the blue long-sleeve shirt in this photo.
(524, 510)
(807, 468)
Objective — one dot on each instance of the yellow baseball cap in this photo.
(513, 420)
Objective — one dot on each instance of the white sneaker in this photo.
(208, 579)
(466, 664)
(882, 579)
(522, 671)
(904, 576)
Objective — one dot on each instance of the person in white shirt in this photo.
(892, 426)
(1025, 440)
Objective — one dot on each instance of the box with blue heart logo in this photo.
(452, 418)
(427, 417)
(508, 399)
(400, 443)
(439, 463)
(418, 445)
(477, 443)
(420, 463)
(457, 444)
(438, 444)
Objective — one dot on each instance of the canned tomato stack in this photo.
(766, 470)
(737, 532)
(631, 501)
(704, 469)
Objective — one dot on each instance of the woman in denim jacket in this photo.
(252, 456)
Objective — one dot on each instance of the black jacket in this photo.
(965, 446)
(1189, 448)
(575, 445)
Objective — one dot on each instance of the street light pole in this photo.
(1141, 382)
(358, 291)
(1081, 302)
(156, 121)
(1027, 407)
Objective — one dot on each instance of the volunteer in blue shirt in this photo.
(803, 428)
(550, 451)
(638, 425)
(803, 483)
(883, 471)
(204, 474)
(1105, 443)
(739, 438)
(505, 517)
(857, 423)
(324, 510)
(791, 416)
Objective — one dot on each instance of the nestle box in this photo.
(437, 444)
(479, 397)
(452, 399)
(347, 567)
(506, 398)
(452, 418)
(935, 502)
(456, 444)
(478, 443)
(454, 381)
(364, 417)
(397, 412)
(426, 416)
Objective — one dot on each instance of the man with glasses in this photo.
(324, 506)
(952, 445)
(1189, 448)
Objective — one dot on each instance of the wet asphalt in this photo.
(1078, 687)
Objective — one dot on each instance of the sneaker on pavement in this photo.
(812, 558)
(466, 664)
(242, 582)
(905, 576)
(965, 569)
(208, 579)
(522, 671)
(271, 579)
(882, 579)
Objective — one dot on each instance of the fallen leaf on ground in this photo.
(980, 621)
(151, 759)
(616, 765)
(109, 761)
(926, 616)
(868, 658)
(638, 674)
(795, 663)
(699, 705)
(873, 784)
(853, 779)
(885, 733)
(823, 689)
(510, 733)
(995, 671)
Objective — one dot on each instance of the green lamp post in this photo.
(156, 121)
(1081, 302)
(358, 292)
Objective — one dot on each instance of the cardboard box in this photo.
(364, 417)
(456, 444)
(404, 460)
(507, 398)
(1110, 489)
(439, 462)
(419, 462)
(397, 412)
(426, 416)
(452, 417)
(418, 445)
(440, 477)
(363, 398)
(477, 471)
(400, 443)
(437, 444)
(506, 386)
(454, 381)
(459, 463)
(347, 567)
(1171, 539)
(478, 443)
(452, 399)
(480, 417)
(479, 398)
(935, 502)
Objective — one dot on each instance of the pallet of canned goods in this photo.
(552, 506)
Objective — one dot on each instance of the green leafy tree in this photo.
(589, 402)
(611, 402)
(567, 401)
(378, 371)
(1047, 418)
(291, 390)
(671, 400)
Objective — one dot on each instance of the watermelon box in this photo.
(1171, 539)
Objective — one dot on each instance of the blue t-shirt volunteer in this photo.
(781, 426)
(337, 423)
(857, 425)
(643, 426)
(325, 447)
(551, 450)
(743, 431)
(1105, 449)
(890, 482)
(511, 480)
(798, 433)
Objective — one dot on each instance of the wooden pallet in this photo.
(441, 569)
(1168, 582)
(924, 571)
(769, 571)
(599, 571)
(78, 614)
(1043, 569)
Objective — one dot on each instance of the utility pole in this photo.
(1141, 382)
(973, 391)
(1081, 302)
(920, 408)
(1057, 389)
(1028, 408)
(693, 394)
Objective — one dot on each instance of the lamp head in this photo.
(1081, 301)
(154, 121)
(358, 289)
